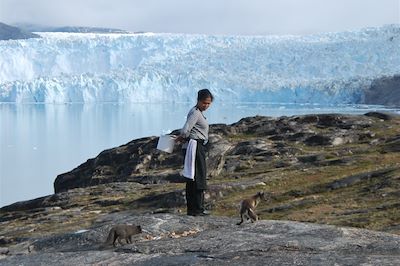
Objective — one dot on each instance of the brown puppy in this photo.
(122, 231)
(248, 206)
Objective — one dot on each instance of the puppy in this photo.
(248, 206)
(122, 231)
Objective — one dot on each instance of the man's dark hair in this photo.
(204, 94)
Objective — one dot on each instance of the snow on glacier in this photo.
(73, 67)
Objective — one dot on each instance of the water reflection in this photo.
(40, 141)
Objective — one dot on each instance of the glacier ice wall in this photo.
(322, 68)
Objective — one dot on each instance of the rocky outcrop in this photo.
(338, 170)
(169, 239)
(384, 91)
(139, 161)
(8, 32)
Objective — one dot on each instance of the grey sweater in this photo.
(196, 126)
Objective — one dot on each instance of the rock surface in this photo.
(384, 91)
(170, 239)
(8, 32)
(332, 169)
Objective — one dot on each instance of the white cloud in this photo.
(206, 16)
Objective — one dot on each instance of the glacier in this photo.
(327, 68)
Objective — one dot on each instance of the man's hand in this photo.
(179, 139)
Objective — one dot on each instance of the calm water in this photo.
(40, 141)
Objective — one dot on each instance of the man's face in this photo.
(204, 104)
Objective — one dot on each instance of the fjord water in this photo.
(54, 89)
(41, 141)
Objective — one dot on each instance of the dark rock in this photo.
(392, 145)
(312, 158)
(8, 32)
(254, 125)
(318, 140)
(319, 119)
(306, 119)
(174, 177)
(277, 137)
(221, 129)
(341, 161)
(105, 203)
(389, 206)
(37, 204)
(162, 200)
(218, 149)
(352, 212)
(384, 91)
(380, 115)
(329, 120)
(5, 241)
(118, 165)
(4, 251)
(232, 163)
(298, 136)
(296, 193)
(251, 147)
(281, 164)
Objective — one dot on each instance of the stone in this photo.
(380, 115)
(318, 140)
(392, 145)
(170, 239)
(384, 91)
(4, 251)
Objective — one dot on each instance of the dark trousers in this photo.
(194, 198)
(195, 189)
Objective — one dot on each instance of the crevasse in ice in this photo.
(320, 68)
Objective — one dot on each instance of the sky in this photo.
(227, 17)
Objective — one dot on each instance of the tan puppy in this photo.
(248, 206)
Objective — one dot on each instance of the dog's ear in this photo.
(263, 195)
